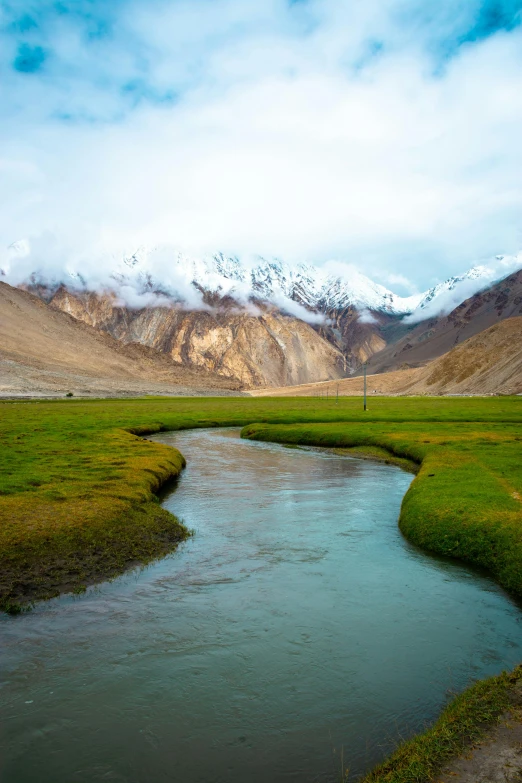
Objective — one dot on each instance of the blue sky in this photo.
(385, 134)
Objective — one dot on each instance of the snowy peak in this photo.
(160, 275)
(444, 297)
(316, 289)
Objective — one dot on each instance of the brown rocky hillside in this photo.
(488, 363)
(46, 351)
(259, 350)
(414, 346)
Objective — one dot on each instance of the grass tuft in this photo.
(462, 723)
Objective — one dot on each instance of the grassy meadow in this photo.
(78, 487)
(78, 500)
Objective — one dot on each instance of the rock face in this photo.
(258, 350)
(358, 336)
(414, 345)
(46, 351)
(487, 363)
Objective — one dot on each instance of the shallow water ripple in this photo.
(295, 627)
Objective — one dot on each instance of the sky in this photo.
(384, 134)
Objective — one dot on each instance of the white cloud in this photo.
(161, 277)
(365, 317)
(393, 279)
(294, 308)
(452, 293)
(277, 143)
(127, 296)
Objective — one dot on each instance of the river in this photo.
(296, 632)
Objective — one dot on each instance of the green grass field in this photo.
(77, 486)
(78, 499)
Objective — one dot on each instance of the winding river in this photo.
(297, 632)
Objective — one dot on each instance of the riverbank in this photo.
(376, 454)
(78, 488)
(466, 500)
(466, 503)
(472, 740)
(84, 514)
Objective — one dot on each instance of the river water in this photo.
(296, 632)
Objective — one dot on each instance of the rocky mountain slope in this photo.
(266, 349)
(487, 363)
(414, 345)
(267, 322)
(45, 351)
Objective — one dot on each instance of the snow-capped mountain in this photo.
(159, 275)
(314, 288)
(268, 280)
(444, 297)
(203, 311)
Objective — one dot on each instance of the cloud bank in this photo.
(448, 295)
(163, 277)
(385, 133)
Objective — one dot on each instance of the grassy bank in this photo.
(466, 499)
(78, 499)
(76, 509)
(463, 722)
(77, 486)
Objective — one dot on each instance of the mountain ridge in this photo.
(436, 336)
(176, 277)
(267, 323)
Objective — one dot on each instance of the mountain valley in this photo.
(490, 362)
(273, 325)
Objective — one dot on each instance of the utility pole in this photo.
(364, 365)
(337, 397)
